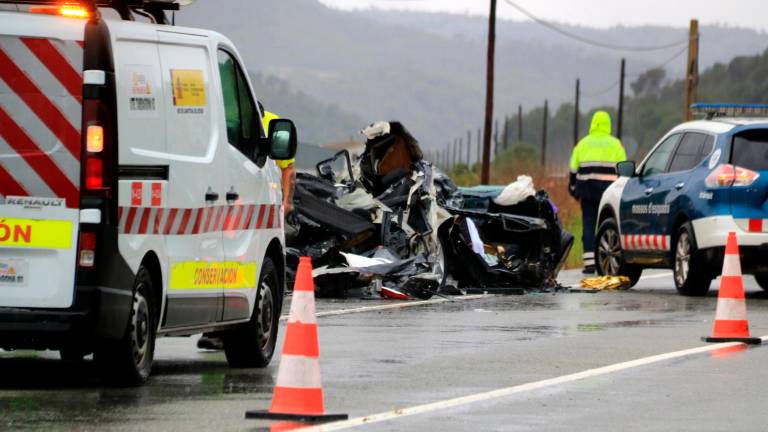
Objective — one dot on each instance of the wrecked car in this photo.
(497, 243)
(373, 230)
(391, 224)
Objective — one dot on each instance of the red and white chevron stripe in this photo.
(40, 117)
(645, 242)
(186, 221)
(756, 225)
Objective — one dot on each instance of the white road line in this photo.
(393, 306)
(422, 302)
(656, 276)
(508, 391)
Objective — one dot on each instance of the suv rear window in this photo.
(750, 150)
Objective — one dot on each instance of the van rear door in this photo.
(41, 62)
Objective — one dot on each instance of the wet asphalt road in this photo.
(381, 360)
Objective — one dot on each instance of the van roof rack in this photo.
(152, 9)
(713, 110)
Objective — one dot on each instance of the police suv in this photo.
(139, 196)
(703, 180)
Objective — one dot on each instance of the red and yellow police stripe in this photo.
(645, 242)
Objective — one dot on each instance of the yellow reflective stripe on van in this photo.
(188, 275)
(39, 234)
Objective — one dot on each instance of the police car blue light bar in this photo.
(711, 110)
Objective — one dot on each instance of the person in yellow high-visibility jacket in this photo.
(593, 169)
(286, 166)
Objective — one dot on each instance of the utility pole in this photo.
(506, 133)
(485, 176)
(469, 149)
(691, 69)
(455, 148)
(479, 147)
(495, 138)
(519, 123)
(444, 157)
(576, 113)
(544, 135)
(461, 150)
(620, 122)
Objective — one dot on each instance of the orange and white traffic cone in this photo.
(731, 323)
(298, 393)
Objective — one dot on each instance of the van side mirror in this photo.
(626, 169)
(282, 139)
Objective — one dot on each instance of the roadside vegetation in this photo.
(655, 108)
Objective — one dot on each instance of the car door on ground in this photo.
(643, 212)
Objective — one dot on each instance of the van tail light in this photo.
(94, 141)
(727, 175)
(94, 173)
(87, 251)
(96, 156)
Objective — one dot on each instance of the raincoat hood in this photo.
(601, 123)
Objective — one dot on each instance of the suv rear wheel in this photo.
(128, 361)
(252, 344)
(691, 276)
(609, 255)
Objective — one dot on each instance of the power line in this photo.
(588, 41)
(635, 75)
(601, 91)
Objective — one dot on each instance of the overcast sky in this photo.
(597, 13)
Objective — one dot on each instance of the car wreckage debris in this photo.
(392, 225)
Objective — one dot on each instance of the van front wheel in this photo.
(128, 361)
(252, 344)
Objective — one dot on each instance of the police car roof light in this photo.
(712, 110)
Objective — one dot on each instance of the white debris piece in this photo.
(516, 192)
(376, 130)
(357, 261)
(474, 235)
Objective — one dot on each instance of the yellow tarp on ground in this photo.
(606, 283)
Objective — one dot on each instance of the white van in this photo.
(138, 192)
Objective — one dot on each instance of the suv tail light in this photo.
(727, 175)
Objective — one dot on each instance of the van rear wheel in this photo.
(73, 354)
(762, 280)
(252, 344)
(128, 361)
